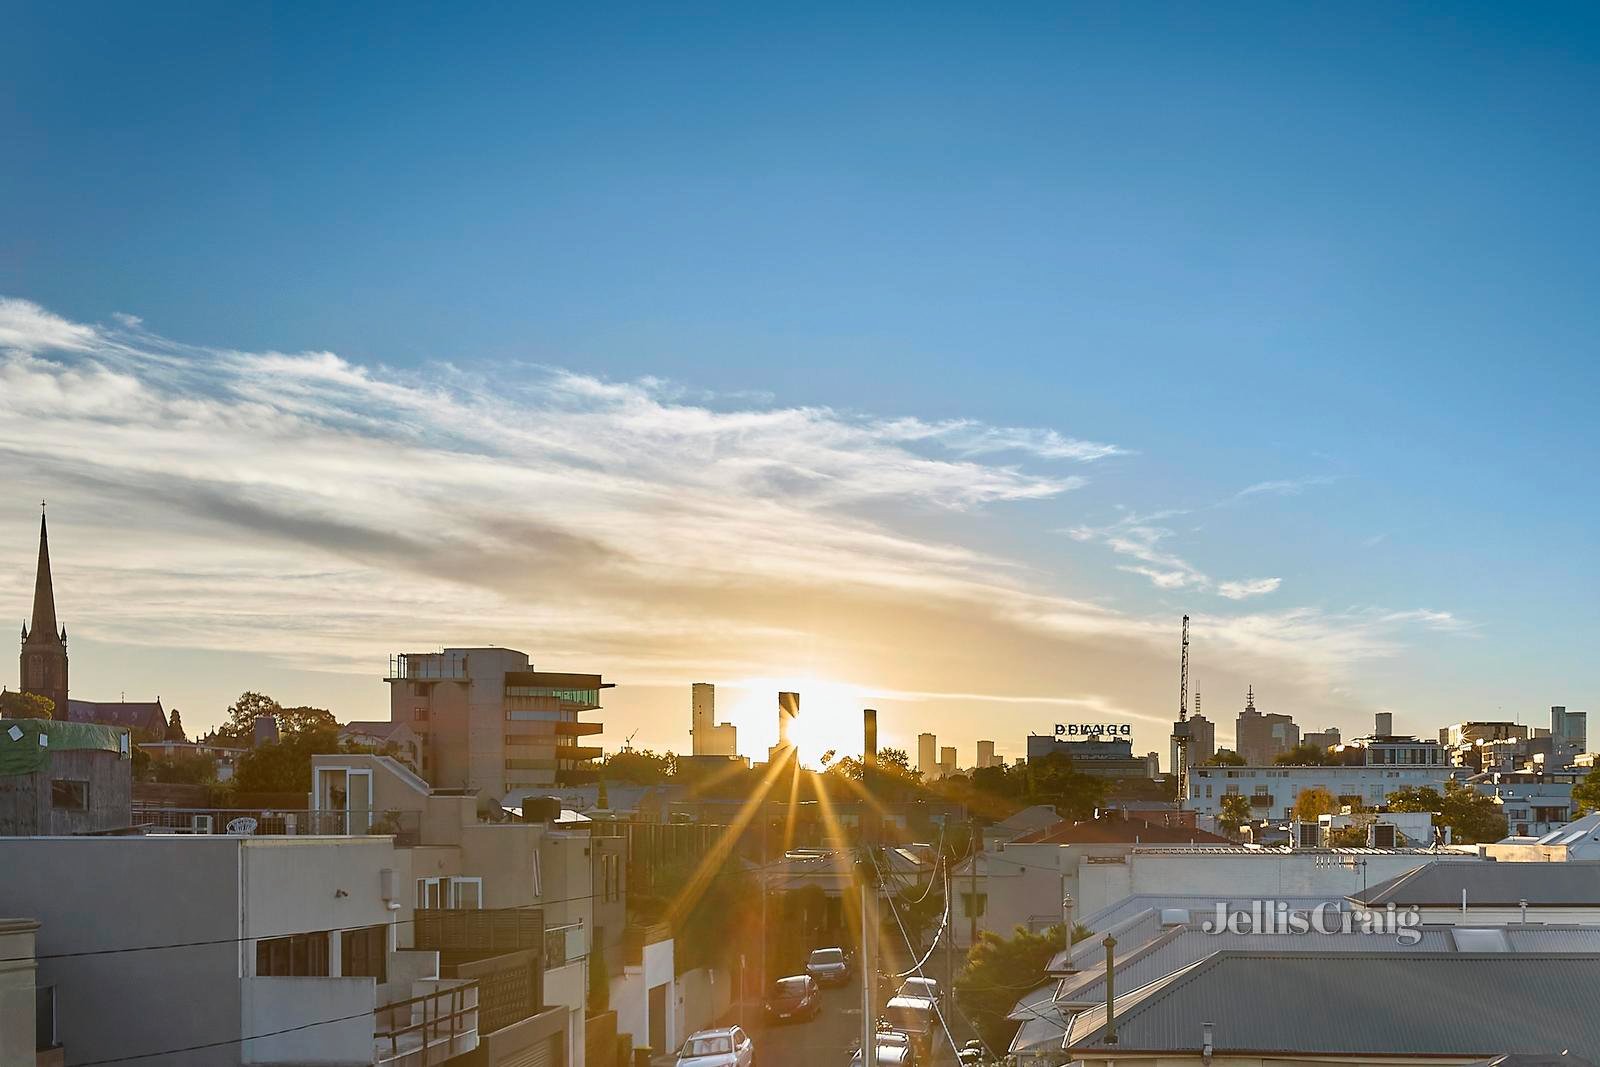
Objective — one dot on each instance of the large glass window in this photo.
(295, 956)
(364, 953)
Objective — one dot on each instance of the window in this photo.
(466, 893)
(967, 904)
(363, 953)
(420, 714)
(69, 794)
(295, 956)
(430, 892)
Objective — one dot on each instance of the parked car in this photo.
(926, 988)
(971, 1054)
(895, 1049)
(727, 1047)
(829, 966)
(796, 997)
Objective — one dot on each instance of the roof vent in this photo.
(1174, 916)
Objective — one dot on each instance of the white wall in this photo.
(299, 884)
(271, 1004)
(630, 995)
(17, 1038)
(568, 987)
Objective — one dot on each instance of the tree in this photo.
(1586, 794)
(896, 761)
(26, 706)
(1303, 756)
(998, 971)
(1235, 810)
(1347, 837)
(1472, 817)
(1225, 757)
(175, 727)
(1314, 802)
(240, 724)
(285, 767)
(639, 766)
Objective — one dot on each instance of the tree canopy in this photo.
(26, 706)
(1303, 756)
(1314, 802)
(1472, 817)
(998, 971)
(1586, 794)
(1225, 757)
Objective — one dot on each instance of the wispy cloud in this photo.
(321, 513)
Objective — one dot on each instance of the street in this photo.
(830, 1039)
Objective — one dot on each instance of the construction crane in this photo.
(1182, 731)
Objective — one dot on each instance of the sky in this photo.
(929, 357)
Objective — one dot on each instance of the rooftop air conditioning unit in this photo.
(200, 824)
(1381, 835)
(1307, 835)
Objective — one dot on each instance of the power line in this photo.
(225, 1043)
(267, 937)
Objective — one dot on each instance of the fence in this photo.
(428, 1018)
(404, 826)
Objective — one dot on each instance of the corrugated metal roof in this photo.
(1501, 883)
(1356, 1003)
(1194, 903)
(1137, 929)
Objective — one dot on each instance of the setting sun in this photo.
(830, 715)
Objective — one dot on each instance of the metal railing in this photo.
(463, 1003)
(564, 945)
(404, 826)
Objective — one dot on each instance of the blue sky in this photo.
(1343, 254)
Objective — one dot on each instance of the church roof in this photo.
(136, 715)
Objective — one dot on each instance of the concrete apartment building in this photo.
(295, 931)
(707, 737)
(488, 721)
(1272, 790)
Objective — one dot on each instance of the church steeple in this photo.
(44, 593)
(44, 643)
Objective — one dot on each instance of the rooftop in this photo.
(1480, 1005)
(1116, 831)
(1500, 883)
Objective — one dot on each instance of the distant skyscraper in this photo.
(1383, 724)
(706, 737)
(788, 712)
(928, 755)
(947, 761)
(44, 650)
(985, 754)
(1569, 730)
(1262, 738)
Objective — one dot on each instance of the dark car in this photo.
(793, 998)
(829, 966)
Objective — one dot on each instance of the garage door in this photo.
(543, 1054)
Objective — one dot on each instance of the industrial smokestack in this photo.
(869, 738)
(788, 711)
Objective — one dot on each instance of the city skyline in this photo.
(943, 379)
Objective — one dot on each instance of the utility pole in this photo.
(972, 900)
(1182, 731)
(869, 891)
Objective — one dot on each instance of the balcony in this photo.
(564, 945)
(404, 826)
(426, 667)
(438, 1021)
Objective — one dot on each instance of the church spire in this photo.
(44, 594)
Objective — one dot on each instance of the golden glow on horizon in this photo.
(830, 716)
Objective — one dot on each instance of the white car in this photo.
(894, 1050)
(728, 1047)
(922, 988)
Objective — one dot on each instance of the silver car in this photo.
(727, 1047)
(829, 966)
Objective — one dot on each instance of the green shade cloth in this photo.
(26, 755)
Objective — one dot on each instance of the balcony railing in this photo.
(404, 826)
(439, 1025)
(426, 667)
(564, 945)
